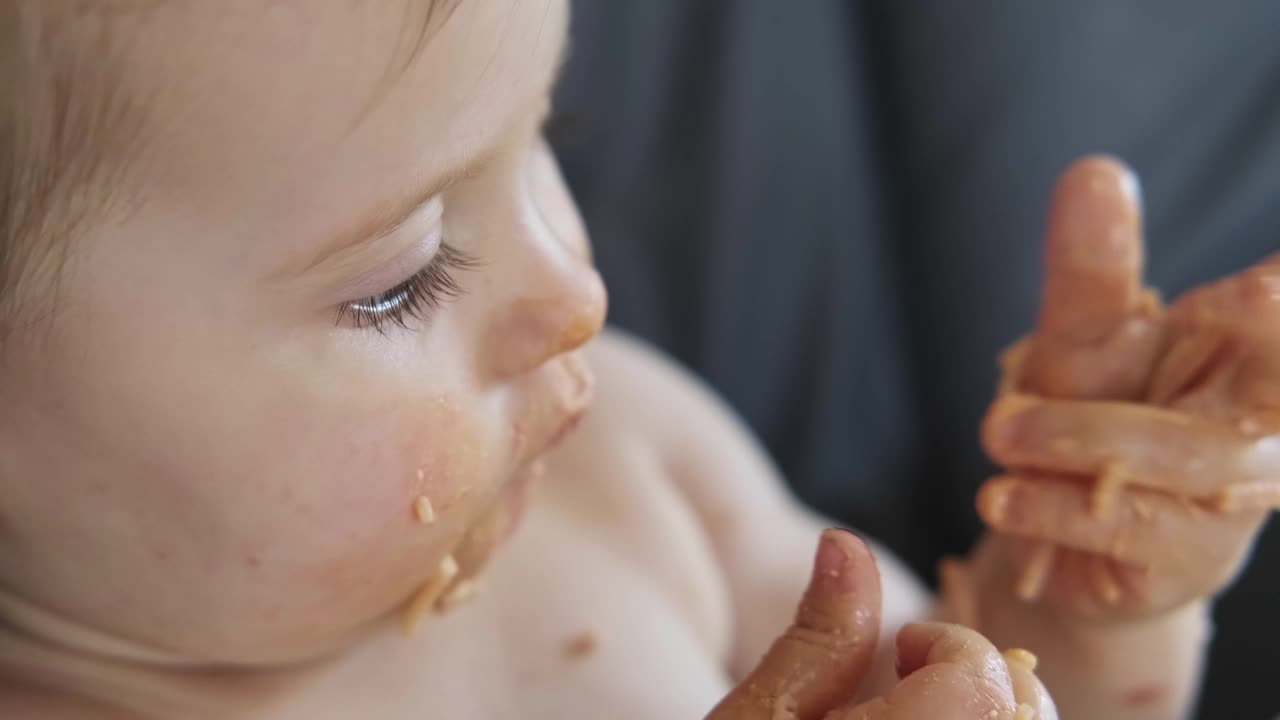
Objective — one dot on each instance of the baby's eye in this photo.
(415, 298)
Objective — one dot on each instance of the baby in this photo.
(297, 319)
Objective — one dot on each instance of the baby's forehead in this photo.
(292, 108)
(336, 62)
(80, 79)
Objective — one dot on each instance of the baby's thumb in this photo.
(1096, 335)
(1093, 252)
(818, 663)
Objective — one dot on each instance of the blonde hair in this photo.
(66, 132)
(69, 127)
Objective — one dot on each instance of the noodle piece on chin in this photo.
(456, 595)
(426, 596)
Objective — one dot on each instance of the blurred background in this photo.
(831, 210)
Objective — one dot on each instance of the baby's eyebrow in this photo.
(385, 219)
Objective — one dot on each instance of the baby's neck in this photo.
(53, 664)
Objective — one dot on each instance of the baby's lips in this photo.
(558, 398)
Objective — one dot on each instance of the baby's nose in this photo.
(534, 329)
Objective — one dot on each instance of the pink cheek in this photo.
(371, 533)
(443, 463)
(432, 449)
(336, 542)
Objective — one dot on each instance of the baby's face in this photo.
(214, 444)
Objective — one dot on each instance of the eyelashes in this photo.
(414, 299)
(417, 298)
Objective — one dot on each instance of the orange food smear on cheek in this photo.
(372, 534)
(442, 461)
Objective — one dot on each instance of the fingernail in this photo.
(1005, 420)
(993, 501)
(831, 565)
(1013, 404)
(1131, 186)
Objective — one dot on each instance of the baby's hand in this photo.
(813, 671)
(1150, 505)
(1150, 508)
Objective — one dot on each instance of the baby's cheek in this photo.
(368, 541)
(442, 455)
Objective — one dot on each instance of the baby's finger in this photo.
(1117, 368)
(1190, 362)
(1012, 363)
(1143, 528)
(1247, 304)
(1098, 330)
(1093, 252)
(924, 644)
(1028, 691)
(1239, 314)
(819, 662)
(1127, 443)
(947, 671)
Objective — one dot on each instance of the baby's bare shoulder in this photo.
(646, 395)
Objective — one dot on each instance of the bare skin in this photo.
(1103, 344)
(627, 559)
(1138, 442)
(233, 423)
(301, 384)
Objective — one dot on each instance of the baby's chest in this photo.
(571, 626)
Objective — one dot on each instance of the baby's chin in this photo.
(362, 573)
(499, 523)
(460, 573)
